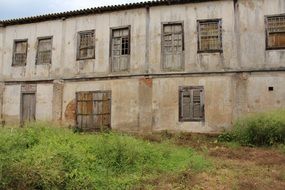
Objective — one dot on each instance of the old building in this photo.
(184, 65)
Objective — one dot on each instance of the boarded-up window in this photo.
(86, 45)
(191, 103)
(120, 49)
(20, 52)
(44, 51)
(275, 32)
(210, 36)
(172, 46)
(93, 110)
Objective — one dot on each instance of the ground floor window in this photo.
(191, 103)
(93, 110)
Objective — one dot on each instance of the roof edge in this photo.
(95, 10)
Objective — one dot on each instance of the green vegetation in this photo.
(263, 129)
(42, 156)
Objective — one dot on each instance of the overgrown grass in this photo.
(44, 157)
(263, 129)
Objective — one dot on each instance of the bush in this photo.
(263, 129)
(41, 157)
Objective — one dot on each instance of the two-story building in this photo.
(182, 65)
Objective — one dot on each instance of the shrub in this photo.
(262, 129)
(44, 157)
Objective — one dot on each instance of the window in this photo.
(20, 52)
(275, 32)
(191, 103)
(172, 46)
(86, 45)
(120, 49)
(93, 110)
(210, 36)
(44, 51)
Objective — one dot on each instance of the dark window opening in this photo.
(270, 88)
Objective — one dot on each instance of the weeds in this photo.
(263, 129)
(41, 156)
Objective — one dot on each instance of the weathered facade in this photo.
(191, 65)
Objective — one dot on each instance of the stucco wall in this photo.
(32, 32)
(251, 30)
(11, 106)
(243, 34)
(44, 96)
(189, 14)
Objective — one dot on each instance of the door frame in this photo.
(21, 106)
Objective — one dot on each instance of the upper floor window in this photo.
(86, 45)
(172, 46)
(20, 52)
(44, 51)
(120, 49)
(191, 103)
(275, 32)
(210, 35)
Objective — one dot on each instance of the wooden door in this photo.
(93, 110)
(28, 110)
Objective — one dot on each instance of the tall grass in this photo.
(262, 129)
(44, 157)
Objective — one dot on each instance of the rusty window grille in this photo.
(275, 32)
(172, 46)
(93, 110)
(210, 36)
(191, 103)
(44, 51)
(120, 49)
(86, 45)
(20, 52)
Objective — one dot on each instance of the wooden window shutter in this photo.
(191, 103)
(185, 109)
(172, 46)
(197, 105)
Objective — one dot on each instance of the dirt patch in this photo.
(253, 183)
(257, 155)
(233, 166)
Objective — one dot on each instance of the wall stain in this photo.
(146, 81)
(70, 111)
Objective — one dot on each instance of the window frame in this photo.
(112, 29)
(202, 101)
(14, 52)
(267, 32)
(78, 58)
(38, 43)
(162, 62)
(220, 25)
